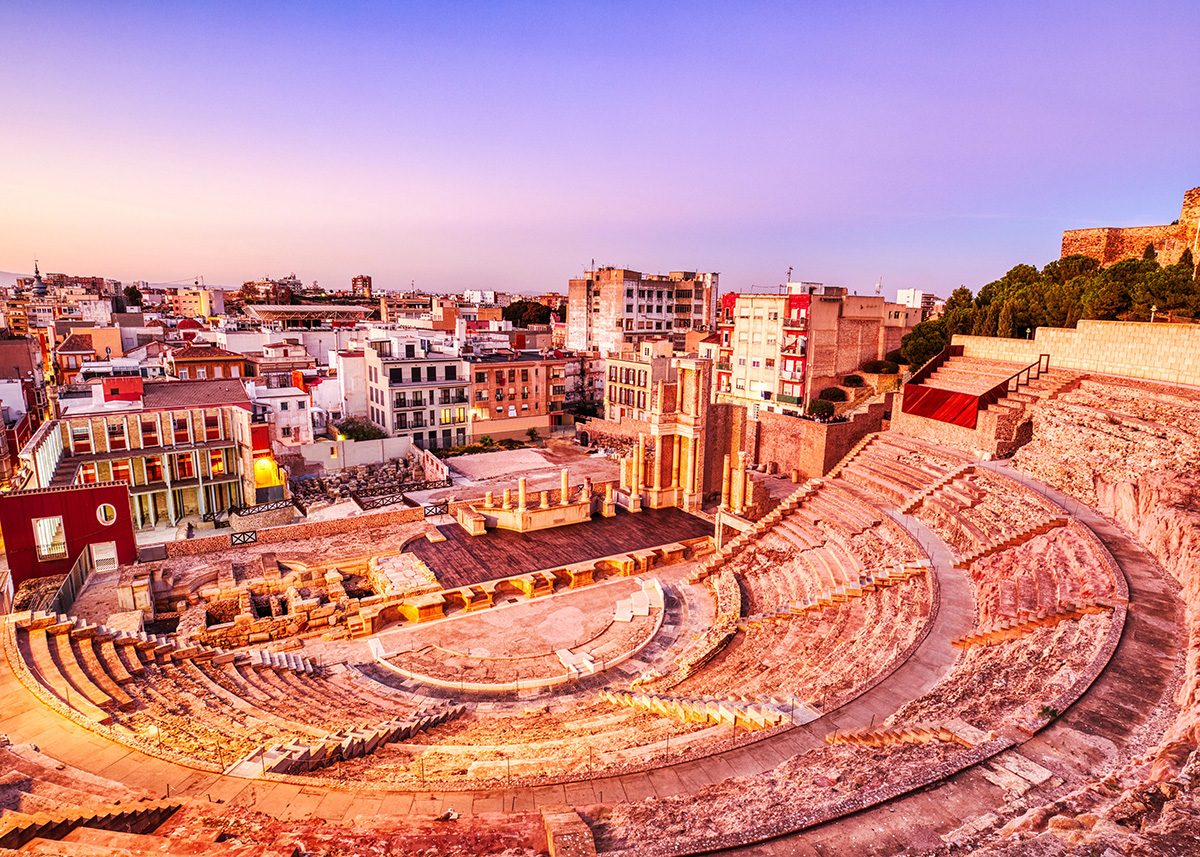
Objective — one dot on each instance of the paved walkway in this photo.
(26, 719)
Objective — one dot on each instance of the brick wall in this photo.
(1110, 245)
(1156, 352)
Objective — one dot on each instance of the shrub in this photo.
(821, 409)
(360, 428)
(894, 356)
(532, 434)
(881, 367)
(486, 441)
(833, 394)
(853, 381)
(511, 443)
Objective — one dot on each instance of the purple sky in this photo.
(506, 145)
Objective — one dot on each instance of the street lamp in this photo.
(1153, 312)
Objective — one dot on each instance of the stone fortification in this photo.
(1110, 245)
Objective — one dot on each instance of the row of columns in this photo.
(682, 474)
(585, 494)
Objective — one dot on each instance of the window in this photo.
(283, 406)
(287, 431)
(430, 373)
(183, 374)
(451, 373)
(415, 374)
(218, 372)
(235, 371)
(106, 513)
(481, 377)
(49, 538)
(201, 373)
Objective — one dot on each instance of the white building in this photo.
(288, 411)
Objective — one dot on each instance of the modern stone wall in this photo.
(1157, 352)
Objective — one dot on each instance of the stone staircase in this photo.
(304, 757)
(1027, 622)
(743, 539)
(851, 455)
(1012, 541)
(840, 595)
(718, 711)
(952, 732)
(915, 500)
(18, 828)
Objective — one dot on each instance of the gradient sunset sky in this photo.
(506, 145)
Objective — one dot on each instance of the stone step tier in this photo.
(718, 711)
(1026, 623)
(1019, 538)
(17, 828)
(840, 595)
(913, 502)
(952, 732)
(734, 546)
(304, 757)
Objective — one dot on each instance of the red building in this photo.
(45, 531)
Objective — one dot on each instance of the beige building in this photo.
(610, 307)
(632, 376)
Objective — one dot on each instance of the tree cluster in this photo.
(525, 313)
(1059, 295)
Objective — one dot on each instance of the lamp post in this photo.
(1153, 312)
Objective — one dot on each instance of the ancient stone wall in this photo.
(1113, 244)
(307, 530)
(1158, 352)
(811, 447)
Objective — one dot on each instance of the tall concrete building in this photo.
(360, 286)
(917, 299)
(610, 307)
(778, 351)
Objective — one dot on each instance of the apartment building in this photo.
(515, 391)
(609, 307)
(200, 361)
(184, 448)
(632, 376)
(196, 303)
(277, 360)
(287, 411)
(415, 391)
(778, 351)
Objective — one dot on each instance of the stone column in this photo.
(639, 478)
(489, 500)
(565, 497)
(675, 440)
(545, 503)
(738, 499)
(725, 477)
(507, 498)
(521, 494)
(658, 459)
(689, 481)
(585, 493)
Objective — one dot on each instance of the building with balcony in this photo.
(415, 391)
(184, 448)
(515, 391)
(631, 377)
(777, 352)
(609, 307)
(277, 360)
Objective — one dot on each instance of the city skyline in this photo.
(506, 146)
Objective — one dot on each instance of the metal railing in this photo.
(442, 508)
(244, 511)
(247, 538)
(69, 589)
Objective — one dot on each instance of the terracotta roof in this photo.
(193, 351)
(159, 395)
(77, 343)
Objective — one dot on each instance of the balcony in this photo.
(790, 400)
(795, 324)
(724, 366)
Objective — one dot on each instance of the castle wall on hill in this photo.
(1110, 245)
(1156, 352)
